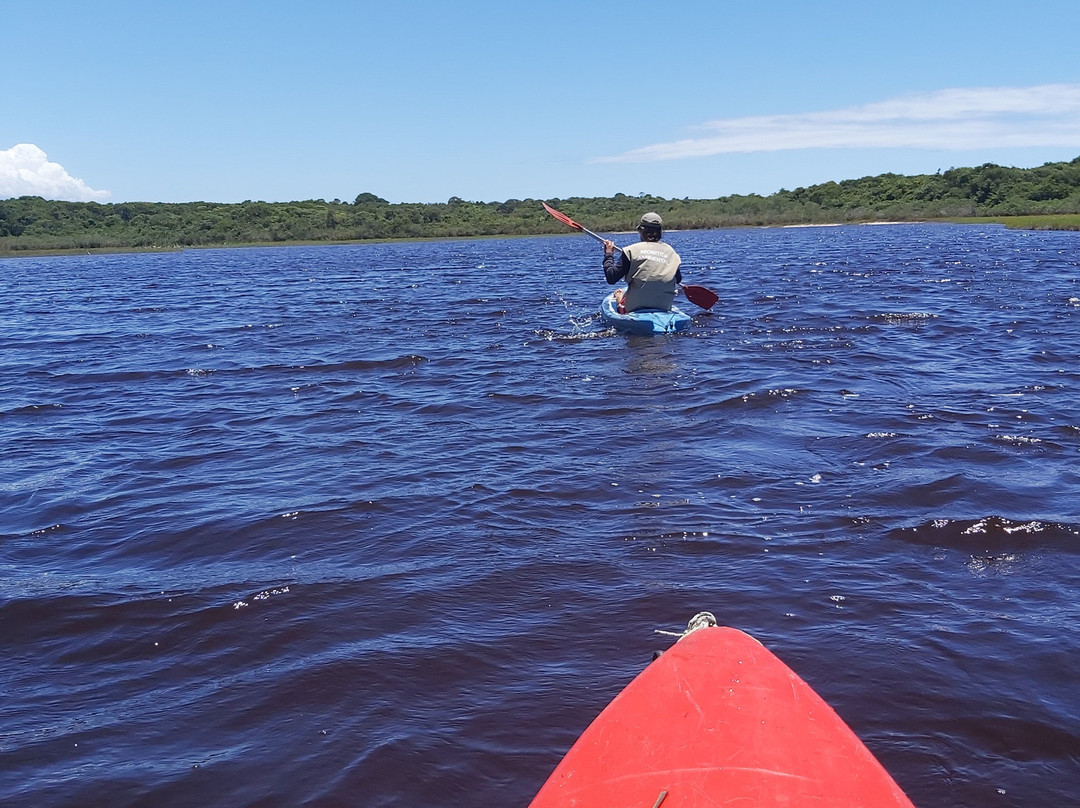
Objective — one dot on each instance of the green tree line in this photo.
(31, 223)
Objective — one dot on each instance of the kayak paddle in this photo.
(698, 295)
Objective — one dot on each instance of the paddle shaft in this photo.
(594, 235)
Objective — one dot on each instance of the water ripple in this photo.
(275, 524)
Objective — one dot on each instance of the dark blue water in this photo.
(387, 525)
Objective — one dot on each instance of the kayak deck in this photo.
(643, 321)
(719, 720)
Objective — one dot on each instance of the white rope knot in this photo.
(699, 620)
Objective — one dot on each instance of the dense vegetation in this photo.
(34, 224)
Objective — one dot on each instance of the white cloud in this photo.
(25, 170)
(974, 118)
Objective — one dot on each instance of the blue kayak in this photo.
(643, 321)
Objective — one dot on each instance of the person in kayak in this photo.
(651, 269)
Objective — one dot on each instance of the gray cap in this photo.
(651, 220)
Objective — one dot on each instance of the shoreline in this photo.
(249, 245)
(1060, 222)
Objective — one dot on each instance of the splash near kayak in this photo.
(719, 720)
(643, 321)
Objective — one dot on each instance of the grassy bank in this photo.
(1047, 222)
(1063, 221)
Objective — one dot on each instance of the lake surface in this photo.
(389, 524)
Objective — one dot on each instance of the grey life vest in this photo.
(651, 277)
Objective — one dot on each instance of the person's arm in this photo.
(614, 273)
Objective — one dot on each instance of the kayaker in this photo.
(651, 268)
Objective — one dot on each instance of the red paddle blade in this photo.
(562, 217)
(700, 296)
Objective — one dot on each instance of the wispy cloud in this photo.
(25, 170)
(1046, 116)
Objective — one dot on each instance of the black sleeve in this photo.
(611, 272)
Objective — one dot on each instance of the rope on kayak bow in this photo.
(699, 620)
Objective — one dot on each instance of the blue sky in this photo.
(418, 101)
